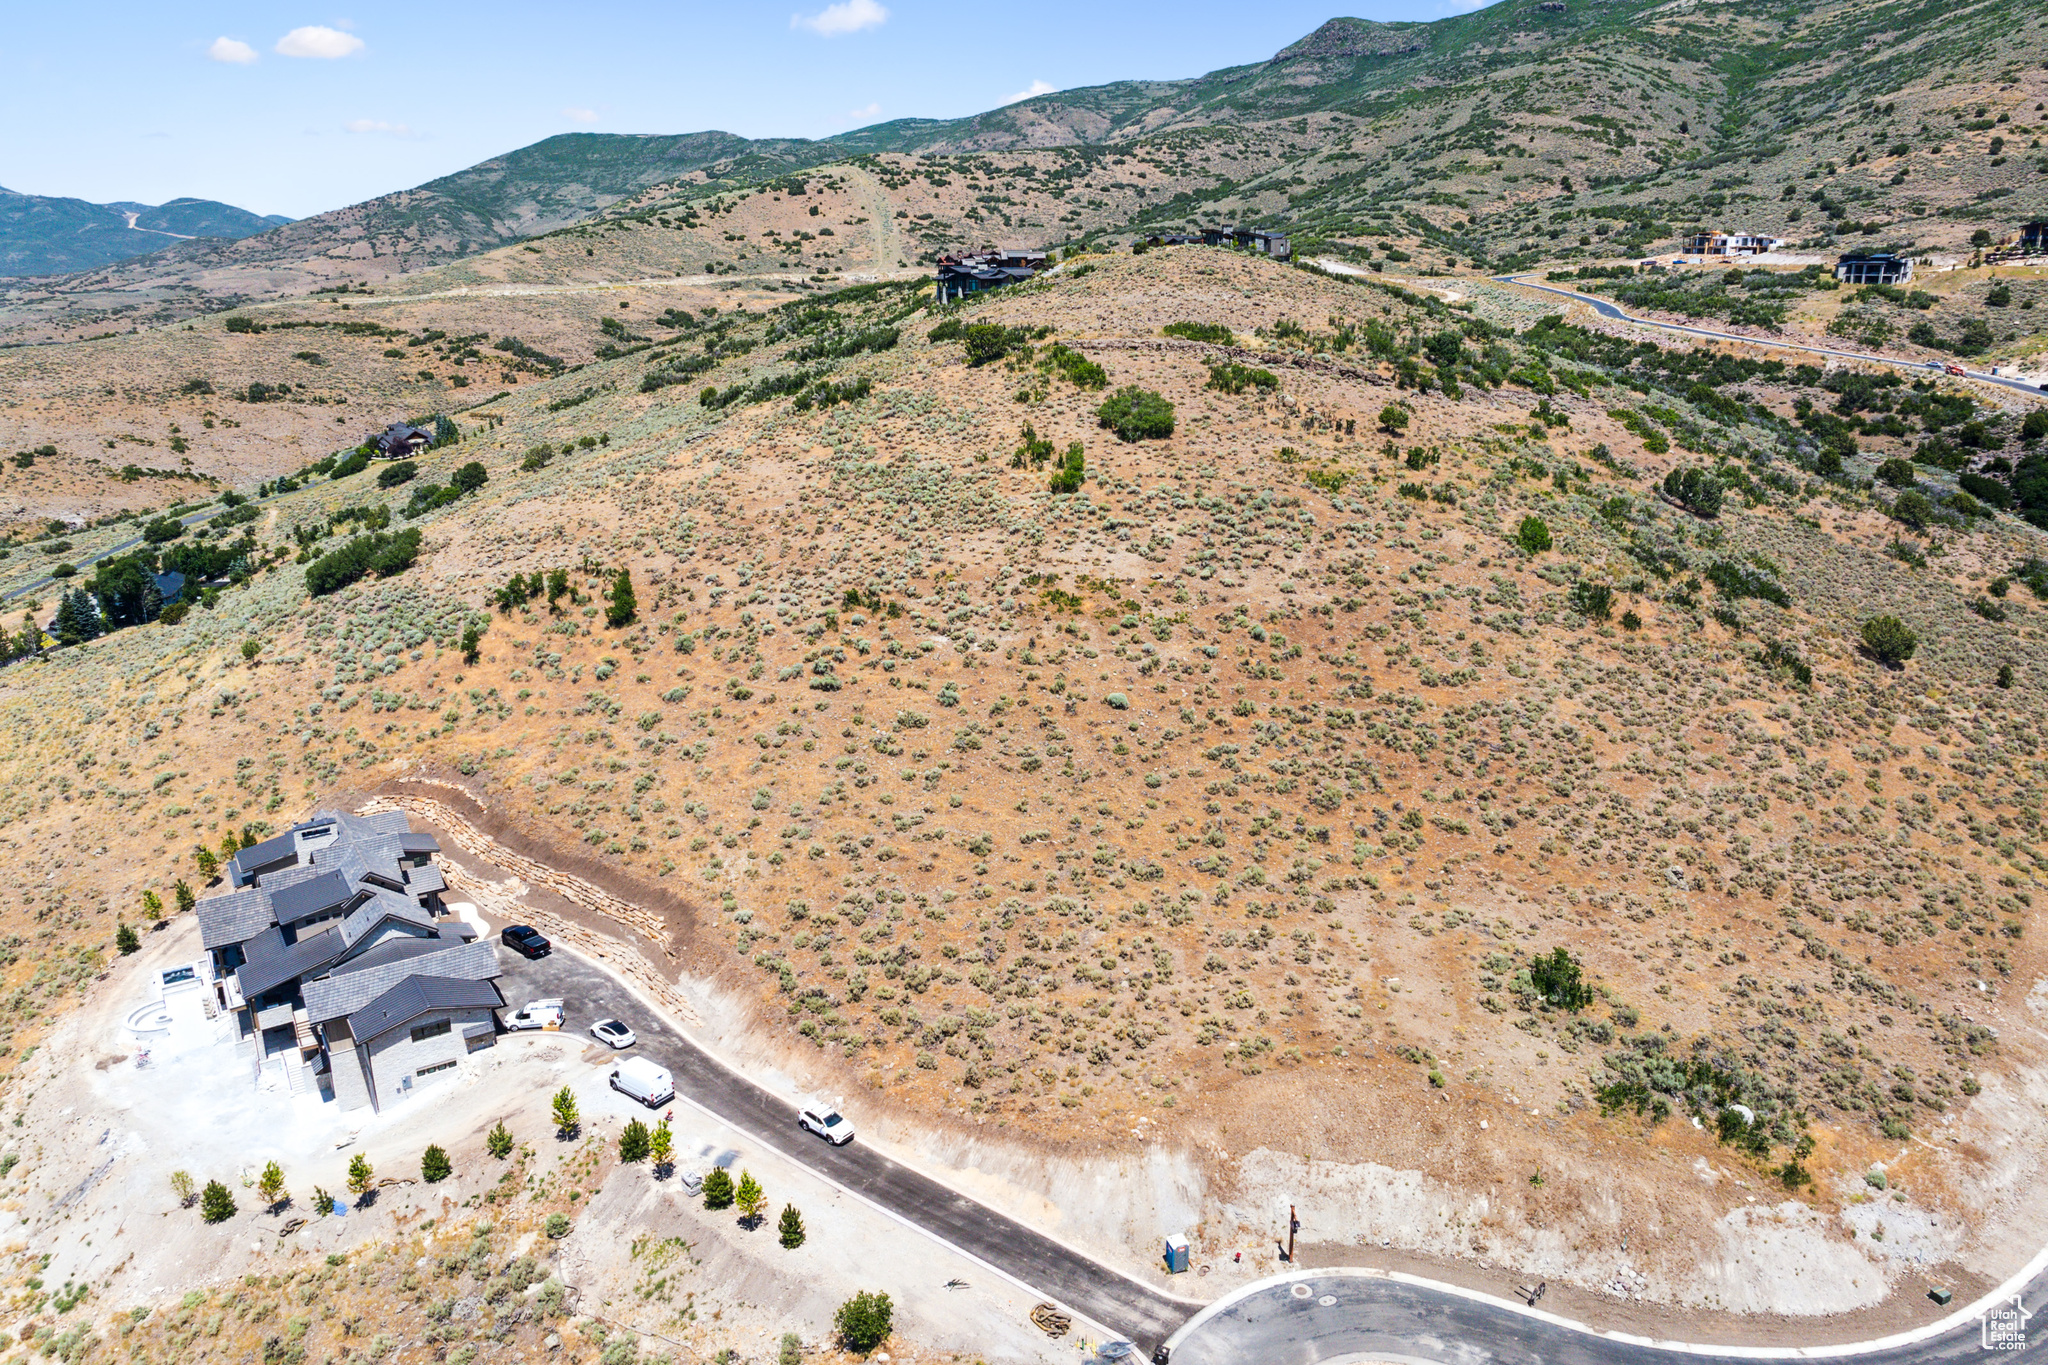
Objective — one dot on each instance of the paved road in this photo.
(1610, 310)
(206, 513)
(1122, 1305)
(1378, 1317)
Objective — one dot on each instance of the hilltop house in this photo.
(1729, 244)
(973, 272)
(1873, 267)
(1272, 244)
(344, 974)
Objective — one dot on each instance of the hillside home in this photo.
(1728, 244)
(1873, 267)
(2033, 239)
(344, 973)
(975, 272)
(399, 442)
(1272, 244)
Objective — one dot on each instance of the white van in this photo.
(644, 1081)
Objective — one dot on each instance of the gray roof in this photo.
(273, 849)
(233, 917)
(356, 983)
(418, 995)
(380, 906)
(419, 841)
(272, 962)
(311, 896)
(421, 880)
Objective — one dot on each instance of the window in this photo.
(434, 1030)
(437, 1066)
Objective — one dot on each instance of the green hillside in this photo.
(47, 235)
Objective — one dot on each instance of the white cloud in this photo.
(1031, 91)
(580, 115)
(848, 16)
(231, 50)
(866, 114)
(371, 125)
(317, 41)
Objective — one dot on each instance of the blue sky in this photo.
(295, 110)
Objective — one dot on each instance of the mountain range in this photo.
(46, 235)
(1531, 130)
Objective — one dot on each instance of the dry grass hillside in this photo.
(1233, 804)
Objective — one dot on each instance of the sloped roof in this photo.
(272, 962)
(311, 896)
(418, 995)
(233, 916)
(356, 983)
(380, 906)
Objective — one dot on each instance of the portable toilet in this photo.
(1176, 1255)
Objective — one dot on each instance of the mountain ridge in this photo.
(55, 234)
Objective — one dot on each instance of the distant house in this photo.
(1730, 244)
(342, 971)
(975, 272)
(1272, 244)
(2034, 238)
(1873, 267)
(170, 587)
(399, 442)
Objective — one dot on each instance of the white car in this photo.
(538, 1014)
(827, 1124)
(612, 1034)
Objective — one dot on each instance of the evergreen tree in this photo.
(323, 1202)
(567, 1121)
(791, 1229)
(270, 1185)
(661, 1148)
(750, 1198)
(125, 939)
(498, 1142)
(435, 1166)
(623, 603)
(717, 1189)
(183, 892)
(633, 1142)
(152, 905)
(360, 1176)
(216, 1205)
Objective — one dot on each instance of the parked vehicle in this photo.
(537, 1014)
(645, 1081)
(525, 940)
(826, 1123)
(613, 1034)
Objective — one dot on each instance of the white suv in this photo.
(827, 1124)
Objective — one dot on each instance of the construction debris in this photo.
(1051, 1320)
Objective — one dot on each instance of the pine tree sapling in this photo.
(498, 1142)
(863, 1321)
(184, 894)
(216, 1205)
(661, 1148)
(125, 939)
(567, 1121)
(181, 1185)
(360, 1175)
(717, 1189)
(750, 1198)
(791, 1352)
(323, 1202)
(633, 1142)
(208, 865)
(472, 643)
(790, 1230)
(270, 1185)
(152, 905)
(435, 1166)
